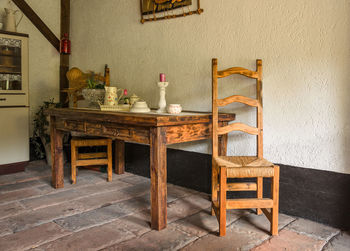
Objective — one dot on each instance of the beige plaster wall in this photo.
(43, 57)
(304, 46)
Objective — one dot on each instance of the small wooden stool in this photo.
(88, 159)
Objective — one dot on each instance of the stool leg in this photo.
(275, 198)
(259, 192)
(73, 163)
(222, 192)
(214, 185)
(110, 159)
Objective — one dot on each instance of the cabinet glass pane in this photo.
(10, 64)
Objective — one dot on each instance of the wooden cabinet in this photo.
(14, 101)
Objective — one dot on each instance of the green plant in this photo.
(41, 127)
(92, 83)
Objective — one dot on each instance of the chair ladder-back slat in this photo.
(238, 127)
(237, 70)
(237, 99)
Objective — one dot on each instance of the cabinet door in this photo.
(14, 67)
(14, 135)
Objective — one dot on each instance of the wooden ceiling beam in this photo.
(39, 24)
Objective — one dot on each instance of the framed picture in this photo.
(153, 10)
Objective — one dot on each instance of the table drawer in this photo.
(74, 125)
(116, 131)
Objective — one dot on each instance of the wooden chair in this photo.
(224, 167)
(89, 159)
(77, 81)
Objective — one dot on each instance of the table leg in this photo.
(56, 155)
(158, 178)
(119, 146)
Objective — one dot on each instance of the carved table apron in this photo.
(156, 130)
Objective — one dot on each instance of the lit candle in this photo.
(162, 77)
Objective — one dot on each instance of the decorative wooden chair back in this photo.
(78, 81)
(216, 103)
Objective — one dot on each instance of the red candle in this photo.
(162, 77)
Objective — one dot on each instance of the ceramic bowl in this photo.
(174, 108)
(140, 106)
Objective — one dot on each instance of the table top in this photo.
(145, 119)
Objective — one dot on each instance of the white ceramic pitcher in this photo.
(111, 96)
(10, 20)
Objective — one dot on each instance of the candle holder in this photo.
(162, 101)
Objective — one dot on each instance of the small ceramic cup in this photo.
(174, 108)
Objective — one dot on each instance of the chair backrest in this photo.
(78, 81)
(216, 103)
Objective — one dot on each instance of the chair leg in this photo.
(109, 156)
(73, 163)
(275, 198)
(222, 192)
(214, 185)
(259, 191)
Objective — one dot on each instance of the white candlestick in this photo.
(162, 101)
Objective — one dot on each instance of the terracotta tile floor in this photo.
(97, 215)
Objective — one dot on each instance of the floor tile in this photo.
(94, 238)
(203, 222)
(313, 229)
(340, 242)
(166, 239)
(32, 237)
(291, 241)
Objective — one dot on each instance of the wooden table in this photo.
(157, 130)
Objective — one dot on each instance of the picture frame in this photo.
(155, 10)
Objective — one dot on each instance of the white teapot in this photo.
(134, 98)
(111, 96)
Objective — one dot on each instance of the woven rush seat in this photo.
(245, 166)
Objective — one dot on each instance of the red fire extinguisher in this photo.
(65, 44)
